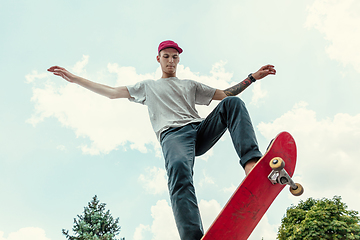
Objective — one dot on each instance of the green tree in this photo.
(320, 219)
(94, 224)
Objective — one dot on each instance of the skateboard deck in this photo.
(255, 194)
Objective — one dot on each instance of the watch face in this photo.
(251, 77)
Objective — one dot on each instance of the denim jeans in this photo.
(180, 146)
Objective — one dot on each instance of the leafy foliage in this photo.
(320, 219)
(95, 224)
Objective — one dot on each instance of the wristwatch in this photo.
(250, 76)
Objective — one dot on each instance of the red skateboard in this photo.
(257, 191)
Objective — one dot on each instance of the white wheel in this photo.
(298, 191)
(277, 164)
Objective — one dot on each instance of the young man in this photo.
(180, 130)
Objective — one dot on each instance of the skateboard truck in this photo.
(279, 175)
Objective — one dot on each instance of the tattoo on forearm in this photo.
(238, 88)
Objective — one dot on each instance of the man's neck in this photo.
(165, 75)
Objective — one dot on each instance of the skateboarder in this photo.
(182, 133)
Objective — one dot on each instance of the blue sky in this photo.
(61, 144)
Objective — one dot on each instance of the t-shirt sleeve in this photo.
(204, 94)
(137, 92)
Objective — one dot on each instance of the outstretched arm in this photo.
(110, 92)
(238, 88)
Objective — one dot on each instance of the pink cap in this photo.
(169, 44)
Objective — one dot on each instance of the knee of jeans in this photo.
(233, 101)
(178, 168)
(179, 174)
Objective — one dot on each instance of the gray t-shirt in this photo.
(170, 101)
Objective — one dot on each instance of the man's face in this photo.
(168, 59)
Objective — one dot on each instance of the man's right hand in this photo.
(62, 72)
(110, 92)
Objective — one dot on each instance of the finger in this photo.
(272, 71)
(60, 70)
(50, 69)
(269, 67)
(53, 68)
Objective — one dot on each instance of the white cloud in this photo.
(208, 154)
(209, 211)
(327, 152)
(264, 230)
(154, 181)
(230, 189)
(163, 226)
(28, 233)
(78, 69)
(129, 76)
(107, 123)
(206, 179)
(35, 75)
(258, 94)
(338, 20)
(138, 235)
(61, 147)
(219, 78)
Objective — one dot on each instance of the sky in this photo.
(62, 144)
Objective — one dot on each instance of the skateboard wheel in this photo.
(277, 164)
(298, 191)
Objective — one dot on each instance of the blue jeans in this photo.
(180, 146)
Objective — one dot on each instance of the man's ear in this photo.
(158, 58)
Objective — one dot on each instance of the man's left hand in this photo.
(264, 71)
